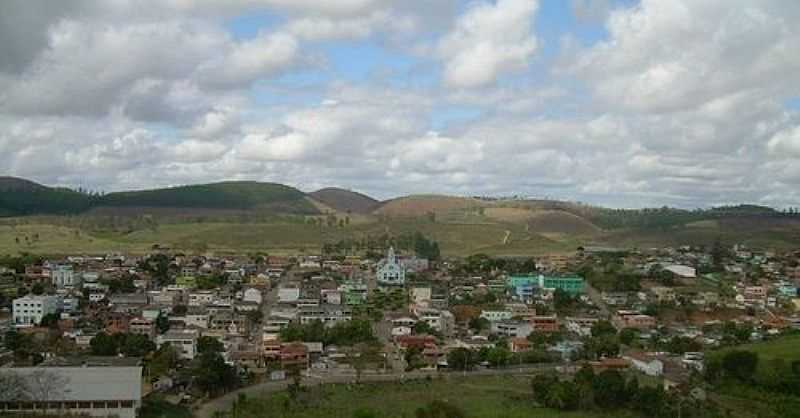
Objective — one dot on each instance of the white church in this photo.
(390, 271)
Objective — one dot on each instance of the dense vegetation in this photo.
(19, 198)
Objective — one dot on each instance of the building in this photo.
(645, 363)
(494, 316)
(663, 294)
(327, 314)
(288, 294)
(512, 329)
(633, 319)
(63, 276)
(29, 310)
(681, 272)
(253, 295)
(183, 341)
(97, 388)
(545, 324)
(142, 326)
(526, 287)
(390, 271)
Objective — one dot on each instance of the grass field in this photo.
(279, 237)
(478, 397)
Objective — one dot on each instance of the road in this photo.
(224, 403)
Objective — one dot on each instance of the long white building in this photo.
(90, 389)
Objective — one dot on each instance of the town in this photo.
(190, 328)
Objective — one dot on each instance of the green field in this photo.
(278, 237)
(478, 397)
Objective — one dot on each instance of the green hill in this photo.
(19, 197)
(345, 200)
(225, 195)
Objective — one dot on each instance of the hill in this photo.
(226, 195)
(19, 197)
(343, 200)
(421, 205)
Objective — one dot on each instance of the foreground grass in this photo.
(478, 397)
(456, 239)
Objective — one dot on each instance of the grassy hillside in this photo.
(345, 201)
(226, 195)
(478, 397)
(421, 205)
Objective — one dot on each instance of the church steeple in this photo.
(390, 257)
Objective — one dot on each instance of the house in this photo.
(633, 319)
(512, 329)
(327, 314)
(439, 320)
(288, 293)
(142, 326)
(545, 324)
(681, 271)
(29, 310)
(63, 276)
(390, 271)
(645, 363)
(519, 345)
(183, 341)
(253, 295)
(663, 294)
(609, 364)
(201, 297)
(494, 316)
(581, 326)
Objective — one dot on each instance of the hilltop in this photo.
(346, 201)
(422, 205)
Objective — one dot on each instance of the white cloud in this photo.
(671, 55)
(489, 40)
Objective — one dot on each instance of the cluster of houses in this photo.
(412, 304)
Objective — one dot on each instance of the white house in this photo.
(288, 294)
(184, 342)
(252, 295)
(63, 276)
(494, 316)
(390, 272)
(29, 310)
(512, 329)
(645, 363)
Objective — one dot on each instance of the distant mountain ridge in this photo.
(19, 197)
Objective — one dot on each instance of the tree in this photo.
(163, 360)
(609, 390)
(479, 324)
(563, 300)
(162, 323)
(211, 373)
(627, 336)
(37, 289)
(180, 310)
(740, 364)
(104, 345)
(206, 345)
(50, 320)
(603, 327)
(135, 345)
(461, 359)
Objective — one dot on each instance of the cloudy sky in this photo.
(626, 103)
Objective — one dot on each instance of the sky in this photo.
(623, 103)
